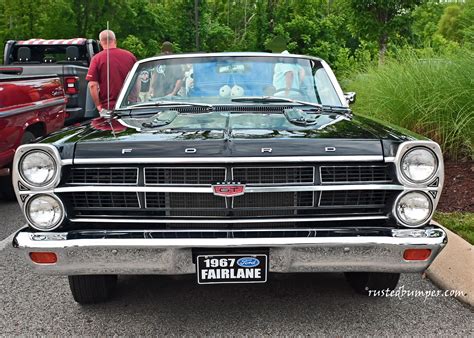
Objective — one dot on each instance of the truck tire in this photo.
(6, 187)
(363, 282)
(89, 289)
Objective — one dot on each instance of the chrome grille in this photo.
(354, 174)
(184, 176)
(353, 198)
(273, 175)
(154, 192)
(98, 176)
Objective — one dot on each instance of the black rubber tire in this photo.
(89, 289)
(6, 187)
(363, 282)
(28, 136)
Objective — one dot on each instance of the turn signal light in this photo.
(416, 254)
(43, 257)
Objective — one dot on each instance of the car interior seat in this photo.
(24, 55)
(73, 57)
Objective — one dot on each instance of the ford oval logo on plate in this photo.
(248, 262)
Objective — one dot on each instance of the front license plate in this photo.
(219, 269)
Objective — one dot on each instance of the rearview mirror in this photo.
(350, 97)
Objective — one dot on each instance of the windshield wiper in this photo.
(155, 104)
(338, 110)
(270, 99)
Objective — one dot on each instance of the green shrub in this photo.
(431, 96)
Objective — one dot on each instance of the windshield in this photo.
(223, 79)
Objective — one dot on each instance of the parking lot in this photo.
(154, 305)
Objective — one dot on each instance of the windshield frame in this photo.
(325, 66)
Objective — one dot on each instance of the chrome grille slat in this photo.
(184, 175)
(353, 198)
(354, 174)
(92, 199)
(107, 176)
(273, 175)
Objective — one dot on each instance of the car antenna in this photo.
(108, 69)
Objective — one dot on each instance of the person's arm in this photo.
(153, 78)
(288, 82)
(93, 78)
(176, 88)
(94, 89)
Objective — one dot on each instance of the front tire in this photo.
(92, 288)
(363, 282)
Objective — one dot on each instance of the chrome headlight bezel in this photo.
(419, 223)
(32, 222)
(23, 175)
(438, 173)
(18, 175)
(433, 173)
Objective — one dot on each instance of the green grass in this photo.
(433, 97)
(461, 223)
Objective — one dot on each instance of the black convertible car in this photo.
(229, 166)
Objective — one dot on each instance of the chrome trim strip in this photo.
(108, 168)
(178, 184)
(37, 106)
(66, 162)
(213, 160)
(247, 188)
(279, 167)
(221, 221)
(129, 77)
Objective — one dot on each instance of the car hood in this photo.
(335, 135)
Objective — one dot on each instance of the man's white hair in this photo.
(107, 35)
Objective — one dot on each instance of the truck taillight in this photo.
(71, 85)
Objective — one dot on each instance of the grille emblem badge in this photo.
(228, 189)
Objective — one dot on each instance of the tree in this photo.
(381, 19)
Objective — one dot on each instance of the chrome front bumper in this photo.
(290, 250)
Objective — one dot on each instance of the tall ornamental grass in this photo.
(433, 97)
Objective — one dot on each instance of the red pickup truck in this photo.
(68, 59)
(30, 107)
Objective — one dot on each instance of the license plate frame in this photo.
(226, 278)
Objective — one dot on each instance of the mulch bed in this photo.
(458, 189)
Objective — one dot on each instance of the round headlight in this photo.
(414, 208)
(37, 168)
(419, 165)
(44, 212)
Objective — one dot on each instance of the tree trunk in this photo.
(383, 39)
(196, 22)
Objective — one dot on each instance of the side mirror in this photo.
(350, 97)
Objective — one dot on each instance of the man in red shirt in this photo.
(121, 61)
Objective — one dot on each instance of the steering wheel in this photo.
(295, 90)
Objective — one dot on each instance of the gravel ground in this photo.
(152, 305)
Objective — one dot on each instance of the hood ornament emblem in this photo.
(228, 189)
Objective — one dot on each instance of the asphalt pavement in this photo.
(297, 304)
